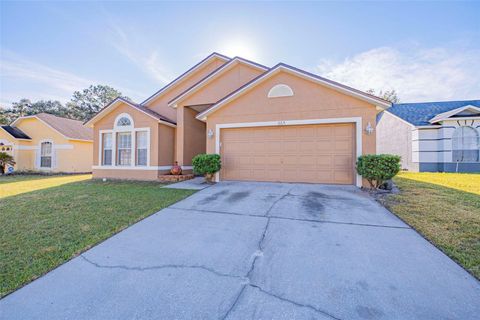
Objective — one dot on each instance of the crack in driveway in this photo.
(164, 266)
(256, 255)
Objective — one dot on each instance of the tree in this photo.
(4, 116)
(85, 104)
(389, 95)
(5, 159)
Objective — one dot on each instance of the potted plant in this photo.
(207, 165)
(176, 169)
(5, 160)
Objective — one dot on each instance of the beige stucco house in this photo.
(268, 124)
(48, 143)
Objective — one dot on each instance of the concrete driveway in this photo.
(242, 250)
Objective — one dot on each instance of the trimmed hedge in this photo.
(378, 168)
(206, 164)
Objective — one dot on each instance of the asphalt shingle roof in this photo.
(420, 113)
(70, 128)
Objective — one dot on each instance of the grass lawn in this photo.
(46, 221)
(445, 209)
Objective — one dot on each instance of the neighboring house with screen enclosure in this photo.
(275, 123)
(432, 136)
(48, 143)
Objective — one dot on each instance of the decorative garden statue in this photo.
(176, 169)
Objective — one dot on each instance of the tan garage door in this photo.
(307, 153)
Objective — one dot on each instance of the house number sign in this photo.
(281, 123)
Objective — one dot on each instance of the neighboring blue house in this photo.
(432, 136)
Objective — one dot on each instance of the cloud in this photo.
(21, 78)
(134, 49)
(12, 66)
(417, 74)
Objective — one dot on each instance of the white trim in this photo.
(356, 120)
(280, 90)
(52, 155)
(187, 167)
(20, 147)
(203, 116)
(448, 114)
(226, 66)
(114, 132)
(195, 68)
(64, 147)
(132, 168)
(124, 115)
(115, 103)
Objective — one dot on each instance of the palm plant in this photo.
(5, 160)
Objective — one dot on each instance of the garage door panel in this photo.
(324, 146)
(343, 145)
(324, 131)
(309, 153)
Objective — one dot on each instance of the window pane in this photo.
(107, 149)
(124, 157)
(141, 145)
(124, 140)
(142, 157)
(107, 141)
(46, 148)
(107, 157)
(45, 162)
(123, 122)
(465, 145)
(142, 139)
(124, 147)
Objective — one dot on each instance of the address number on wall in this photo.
(281, 123)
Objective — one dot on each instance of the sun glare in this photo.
(239, 48)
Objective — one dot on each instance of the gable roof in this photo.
(455, 113)
(420, 114)
(183, 75)
(16, 133)
(304, 74)
(117, 101)
(212, 75)
(69, 128)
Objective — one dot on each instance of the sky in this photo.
(426, 51)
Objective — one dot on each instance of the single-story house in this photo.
(432, 136)
(268, 124)
(47, 143)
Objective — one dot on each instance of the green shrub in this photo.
(378, 168)
(206, 164)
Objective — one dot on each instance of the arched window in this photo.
(465, 145)
(124, 122)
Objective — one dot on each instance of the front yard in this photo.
(46, 221)
(445, 209)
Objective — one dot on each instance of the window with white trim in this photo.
(107, 149)
(124, 148)
(124, 122)
(465, 145)
(141, 145)
(46, 155)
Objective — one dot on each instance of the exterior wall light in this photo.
(210, 133)
(369, 128)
